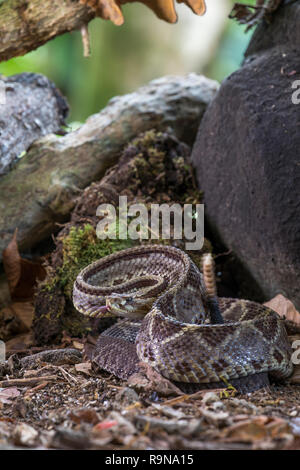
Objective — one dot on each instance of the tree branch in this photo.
(27, 24)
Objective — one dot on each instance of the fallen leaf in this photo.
(149, 380)
(285, 308)
(84, 367)
(257, 429)
(84, 415)
(21, 273)
(7, 393)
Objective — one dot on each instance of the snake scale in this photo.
(170, 322)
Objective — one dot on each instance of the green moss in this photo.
(80, 248)
(150, 160)
(49, 284)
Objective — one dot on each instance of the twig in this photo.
(66, 374)
(26, 382)
(36, 389)
(193, 396)
(85, 40)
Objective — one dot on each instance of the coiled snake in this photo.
(172, 323)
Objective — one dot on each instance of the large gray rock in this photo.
(30, 107)
(41, 188)
(247, 158)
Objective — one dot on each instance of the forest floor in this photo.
(53, 397)
(67, 404)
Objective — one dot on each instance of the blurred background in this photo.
(143, 48)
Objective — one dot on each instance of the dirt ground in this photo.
(57, 401)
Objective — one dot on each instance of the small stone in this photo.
(25, 435)
(218, 406)
(128, 395)
(210, 397)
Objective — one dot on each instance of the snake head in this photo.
(127, 305)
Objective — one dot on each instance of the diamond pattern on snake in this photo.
(169, 321)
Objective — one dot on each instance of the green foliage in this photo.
(80, 248)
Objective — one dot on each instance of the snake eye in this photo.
(129, 299)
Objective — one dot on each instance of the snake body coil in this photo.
(169, 320)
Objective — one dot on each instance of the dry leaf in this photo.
(21, 274)
(285, 308)
(257, 429)
(84, 415)
(149, 380)
(164, 9)
(7, 393)
(84, 367)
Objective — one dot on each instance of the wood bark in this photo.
(41, 189)
(27, 24)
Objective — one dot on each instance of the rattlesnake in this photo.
(172, 323)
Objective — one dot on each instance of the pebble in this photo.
(128, 394)
(25, 435)
(210, 397)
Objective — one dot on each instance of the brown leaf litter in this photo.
(48, 403)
